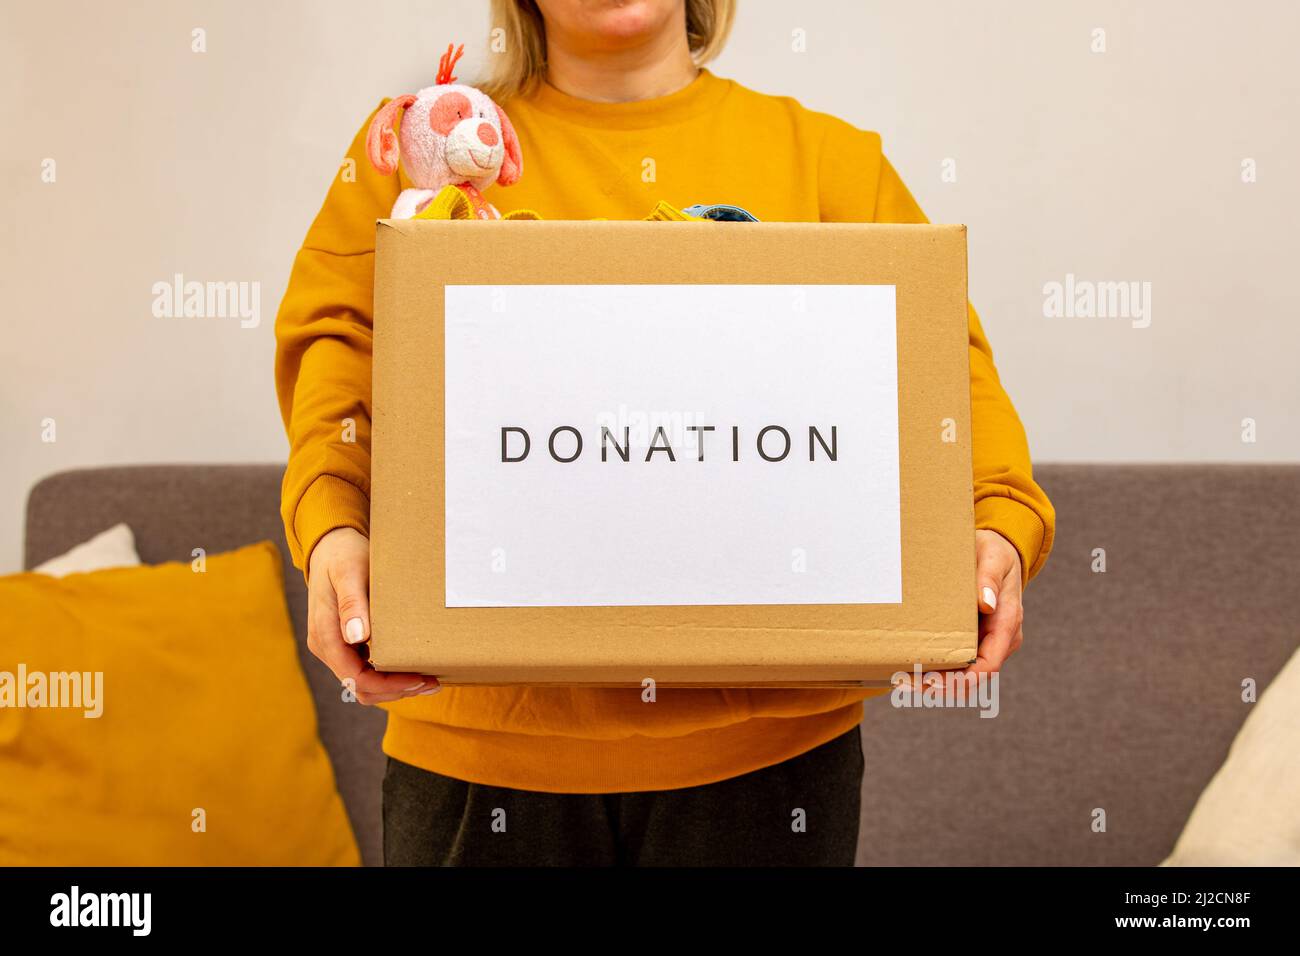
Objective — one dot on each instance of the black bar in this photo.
(406, 909)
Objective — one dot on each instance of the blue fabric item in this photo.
(720, 212)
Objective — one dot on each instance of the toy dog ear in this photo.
(512, 166)
(381, 140)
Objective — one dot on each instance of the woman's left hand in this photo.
(997, 584)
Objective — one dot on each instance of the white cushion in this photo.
(1247, 815)
(114, 548)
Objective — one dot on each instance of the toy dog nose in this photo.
(486, 134)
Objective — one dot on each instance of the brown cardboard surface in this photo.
(727, 645)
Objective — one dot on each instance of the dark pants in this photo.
(803, 812)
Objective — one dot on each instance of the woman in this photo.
(600, 92)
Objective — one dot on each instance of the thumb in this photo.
(351, 591)
(992, 564)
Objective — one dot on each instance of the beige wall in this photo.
(1122, 165)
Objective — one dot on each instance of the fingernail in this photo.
(990, 599)
(354, 632)
(416, 686)
(432, 690)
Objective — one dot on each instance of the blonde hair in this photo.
(519, 50)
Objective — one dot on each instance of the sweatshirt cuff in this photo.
(328, 503)
(1019, 524)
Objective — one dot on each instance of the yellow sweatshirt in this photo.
(712, 142)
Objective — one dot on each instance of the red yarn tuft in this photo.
(447, 64)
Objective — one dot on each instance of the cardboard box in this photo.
(715, 454)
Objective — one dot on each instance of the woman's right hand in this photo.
(338, 619)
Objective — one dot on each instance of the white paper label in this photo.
(759, 424)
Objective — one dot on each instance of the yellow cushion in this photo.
(206, 750)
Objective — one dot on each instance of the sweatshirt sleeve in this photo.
(322, 360)
(1007, 499)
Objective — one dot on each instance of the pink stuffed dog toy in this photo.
(451, 135)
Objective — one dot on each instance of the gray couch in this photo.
(1125, 696)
